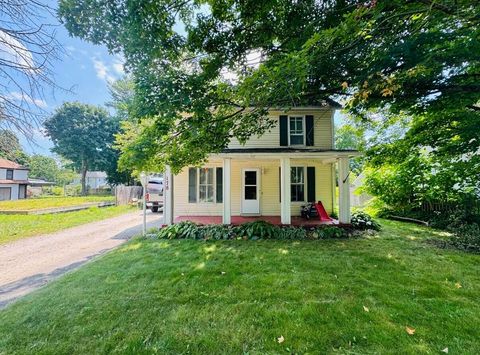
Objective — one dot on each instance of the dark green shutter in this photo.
(219, 184)
(283, 130)
(309, 129)
(192, 185)
(311, 184)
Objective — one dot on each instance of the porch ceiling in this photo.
(286, 152)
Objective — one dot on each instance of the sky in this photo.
(86, 69)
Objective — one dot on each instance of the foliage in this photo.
(467, 237)
(166, 296)
(43, 167)
(11, 149)
(415, 58)
(83, 134)
(348, 136)
(361, 220)
(256, 230)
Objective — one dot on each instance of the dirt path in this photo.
(30, 263)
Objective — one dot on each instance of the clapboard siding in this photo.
(269, 188)
(323, 128)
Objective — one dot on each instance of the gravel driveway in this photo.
(30, 263)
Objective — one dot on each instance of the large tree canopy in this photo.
(83, 134)
(417, 58)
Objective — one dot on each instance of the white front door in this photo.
(251, 191)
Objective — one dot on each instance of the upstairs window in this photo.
(9, 174)
(296, 130)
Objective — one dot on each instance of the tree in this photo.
(43, 167)
(348, 136)
(11, 149)
(27, 50)
(417, 57)
(83, 134)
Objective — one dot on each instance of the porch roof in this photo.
(287, 152)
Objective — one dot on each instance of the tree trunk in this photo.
(84, 178)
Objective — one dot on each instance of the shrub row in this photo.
(262, 230)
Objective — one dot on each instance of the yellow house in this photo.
(270, 177)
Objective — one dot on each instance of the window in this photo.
(205, 185)
(297, 130)
(9, 174)
(297, 181)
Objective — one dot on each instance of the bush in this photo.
(466, 237)
(248, 231)
(363, 221)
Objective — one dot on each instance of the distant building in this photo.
(358, 198)
(94, 180)
(13, 180)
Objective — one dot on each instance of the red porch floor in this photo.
(296, 221)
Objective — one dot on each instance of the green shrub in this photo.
(292, 233)
(257, 230)
(248, 231)
(467, 237)
(361, 220)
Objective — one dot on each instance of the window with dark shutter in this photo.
(284, 130)
(192, 185)
(309, 130)
(219, 185)
(311, 184)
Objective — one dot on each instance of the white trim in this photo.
(242, 197)
(285, 205)
(344, 190)
(325, 156)
(304, 183)
(227, 176)
(304, 131)
(168, 196)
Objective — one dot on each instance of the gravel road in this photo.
(30, 263)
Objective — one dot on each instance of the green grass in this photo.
(50, 202)
(14, 227)
(235, 297)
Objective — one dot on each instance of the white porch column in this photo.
(285, 212)
(227, 175)
(168, 196)
(344, 190)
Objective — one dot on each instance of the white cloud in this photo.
(11, 50)
(18, 96)
(118, 67)
(103, 71)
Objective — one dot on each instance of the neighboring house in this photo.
(94, 180)
(35, 187)
(270, 176)
(358, 198)
(13, 180)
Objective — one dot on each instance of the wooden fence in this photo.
(125, 195)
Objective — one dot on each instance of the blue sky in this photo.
(86, 69)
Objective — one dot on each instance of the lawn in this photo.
(183, 296)
(51, 202)
(14, 227)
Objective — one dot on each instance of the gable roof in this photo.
(7, 164)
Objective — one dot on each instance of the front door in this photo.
(251, 191)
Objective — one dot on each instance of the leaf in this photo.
(366, 309)
(445, 350)
(410, 330)
(280, 339)
(458, 285)
(344, 85)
